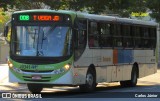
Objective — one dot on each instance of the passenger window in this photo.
(93, 35)
(117, 38)
(106, 38)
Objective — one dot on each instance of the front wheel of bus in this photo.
(90, 82)
(35, 88)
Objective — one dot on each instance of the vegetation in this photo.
(4, 17)
(122, 7)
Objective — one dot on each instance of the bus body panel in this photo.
(13, 78)
(107, 70)
(147, 69)
(85, 59)
(80, 75)
(101, 74)
(127, 72)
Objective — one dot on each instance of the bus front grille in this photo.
(42, 79)
(34, 71)
(37, 80)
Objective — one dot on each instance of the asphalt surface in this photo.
(148, 88)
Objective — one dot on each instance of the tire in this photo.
(124, 83)
(90, 82)
(133, 81)
(134, 77)
(35, 88)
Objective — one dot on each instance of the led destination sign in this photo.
(39, 18)
(46, 18)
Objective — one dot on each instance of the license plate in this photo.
(36, 77)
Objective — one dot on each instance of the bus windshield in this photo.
(42, 41)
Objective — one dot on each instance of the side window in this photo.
(117, 38)
(137, 41)
(106, 37)
(126, 30)
(93, 37)
(80, 37)
(152, 35)
(127, 36)
(145, 37)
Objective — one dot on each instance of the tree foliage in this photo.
(121, 7)
(154, 6)
(4, 17)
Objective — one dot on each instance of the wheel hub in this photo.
(90, 79)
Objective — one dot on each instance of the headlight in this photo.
(67, 66)
(17, 70)
(10, 64)
(61, 70)
(58, 71)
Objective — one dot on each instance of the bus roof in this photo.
(118, 19)
(45, 10)
(94, 17)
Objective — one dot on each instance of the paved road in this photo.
(104, 91)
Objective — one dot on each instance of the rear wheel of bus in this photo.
(133, 81)
(35, 88)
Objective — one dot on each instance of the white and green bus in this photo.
(50, 47)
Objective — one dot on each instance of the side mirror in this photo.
(6, 28)
(6, 31)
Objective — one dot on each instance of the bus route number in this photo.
(24, 17)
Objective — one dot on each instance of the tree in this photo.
(21, 4)
(4, 17)
(5, 4)
(93, 6)
(125, 7)
(121, 7)
(154, 6)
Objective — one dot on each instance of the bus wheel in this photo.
(133, 81)
(124, 83)
(90, 82)
(35, 88)
(134, 76)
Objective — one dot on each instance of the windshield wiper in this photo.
(40, 53)
(38, 40)
(34, 37)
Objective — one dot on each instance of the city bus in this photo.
(59, 47)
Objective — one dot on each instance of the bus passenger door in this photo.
(80, 39)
